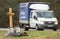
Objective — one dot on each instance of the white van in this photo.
(43, 19)
(37, 15)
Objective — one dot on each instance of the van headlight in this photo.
(56, 22)
(41, 22)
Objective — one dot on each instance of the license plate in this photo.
(50, 25)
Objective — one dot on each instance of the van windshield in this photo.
(45, 14)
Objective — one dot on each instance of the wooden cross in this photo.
(10, 17)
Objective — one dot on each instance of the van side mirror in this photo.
(35, 17)
(57, 17)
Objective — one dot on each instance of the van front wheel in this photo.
(26, 28)
(54, 29)
(37, 28)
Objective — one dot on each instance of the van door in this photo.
(32, 20)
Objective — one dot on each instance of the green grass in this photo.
(34, 35)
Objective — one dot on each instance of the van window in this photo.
(46, 14)
(31, 14)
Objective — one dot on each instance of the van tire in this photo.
(37, 28)
(55, 29)
(26, 28)
(41, 29)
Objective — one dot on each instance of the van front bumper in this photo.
(43, 26)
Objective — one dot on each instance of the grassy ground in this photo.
(34, 35)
